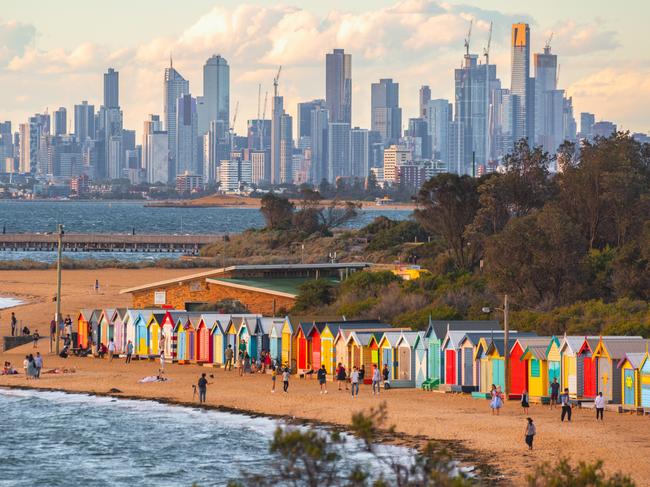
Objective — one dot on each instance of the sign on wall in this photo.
(159, 297)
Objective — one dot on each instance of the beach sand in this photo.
(37, 290)
(621, 441)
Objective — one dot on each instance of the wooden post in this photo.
(506, 352)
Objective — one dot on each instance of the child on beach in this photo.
(529, 433)
(525, 401)
(496, 403)
(274, 374)
(322, 378)
(285, 379)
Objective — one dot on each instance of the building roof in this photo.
(635, 359)
(439, 328)
(618, 348)
(392, 337)
(214, 273)
(409, 337)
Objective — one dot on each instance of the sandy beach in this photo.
(621, 441)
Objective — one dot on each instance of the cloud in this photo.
(14, 38)
(571, 38)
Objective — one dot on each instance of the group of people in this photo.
(33, 365)
(8, 369)
(557, 399)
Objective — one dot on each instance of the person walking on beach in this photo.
(354, 382)
(111, 350)
(274, 374)
(566, 405)
(529, 433)
(555, 392)
(203, 387)
(285, 379)
(129, 351)
(376, 379)
(599, 402)
(25, 365)
(229, 354)
(525, 401)
(36, 337)
(341, 376)
(52, 330)
(38, 363)
(96, 286)
(162, 360)
(322, 378)
(496, 403)
(14, 323)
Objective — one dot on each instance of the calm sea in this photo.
(58, 439)
(128, 217)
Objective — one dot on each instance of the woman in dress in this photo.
(496, 401)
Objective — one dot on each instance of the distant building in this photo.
(424, 99)
(111, 89)
(603, 129)
(173, 88)
(338, 150)
(359, 153)
(79, 184)
(587, 121)
(394, 156)
(338, 86)
(155, 151)
(216, 91)
(521, 85)
(187, 183)
(235, 173)
(84, 121)
(186, 136)
(439, 116)
(60, 121)
(319, 145)
(386, 115)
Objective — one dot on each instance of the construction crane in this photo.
(232, 128)
(547, 46)
(469, 35)
(276, 82)
(486, 51)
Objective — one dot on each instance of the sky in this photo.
(54, 53)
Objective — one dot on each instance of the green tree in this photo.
(447, 204)
(277, 211)
(313, 294)
(584, 474)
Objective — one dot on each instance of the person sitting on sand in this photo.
(102, 350)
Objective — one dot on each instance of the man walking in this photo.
(229, 354)
(129, 352)
(376, 379)
(203, 387)
(38, 362)
(111, 350)
(14, 322)
(285, 379)
(566, 405)
(555, 391)
(354, 382)
(599, 402)
(322, 378)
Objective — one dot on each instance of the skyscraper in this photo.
(155, 151)
(359, 153)
(419, 131)
(386, 115)
(439, 116)
(304, 117)
(549, 102)
(286, 149)
(186, 136)
(338, 150)
(60, 121)
(521, 85)
(84, 121)
(424, 98)
(216, 89)
(587, 121)
(338, 86)
(276, 136)
(111, 89)
(174, 87)
(319, 145)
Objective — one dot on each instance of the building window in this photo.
(534, 368)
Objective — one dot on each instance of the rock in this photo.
(114, 391)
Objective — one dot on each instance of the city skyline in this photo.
(432, 37)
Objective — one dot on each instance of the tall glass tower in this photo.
(216, 89)
(338, 86)
(521, 85)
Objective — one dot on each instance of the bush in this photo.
(313, 294)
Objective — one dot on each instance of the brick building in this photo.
(263, 289)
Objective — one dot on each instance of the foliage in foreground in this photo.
(310, 457)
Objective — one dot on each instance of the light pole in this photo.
(506, 337)
(58, 285)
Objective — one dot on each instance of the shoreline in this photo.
(487, 473)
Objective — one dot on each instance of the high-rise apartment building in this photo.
(186, 136)
(521, 85)
(549, 102)
(419, 131)
(424, 99)
(286, 149)
(216, 90)
(60, 121)
(394, 156)
(111, 89)
(386, 115)
(84, 121)
(338, 86)
(304, 117)
(174, 87)
(587, 121)
(155, 151)
(338, 150)
(359, 153)
(439, 116)
(319, 145)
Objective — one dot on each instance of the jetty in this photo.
(105, 242)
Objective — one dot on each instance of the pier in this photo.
(104, 242)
